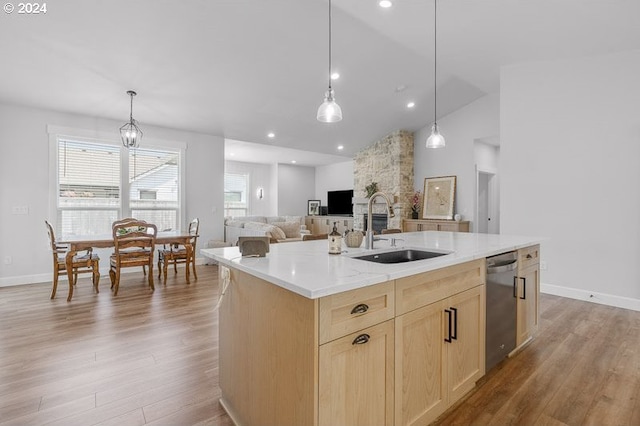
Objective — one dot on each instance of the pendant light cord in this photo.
(329, 45)
(131, 109)
(435, 62)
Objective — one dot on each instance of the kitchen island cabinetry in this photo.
(356, 378)
(527, 292)
(306, 338)
(439, 346)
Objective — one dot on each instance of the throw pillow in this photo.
(290, 229)
(277, 233)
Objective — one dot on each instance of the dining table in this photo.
(76, 243)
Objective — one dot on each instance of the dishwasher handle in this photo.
(504, 267)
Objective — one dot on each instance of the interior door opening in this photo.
(488, 219)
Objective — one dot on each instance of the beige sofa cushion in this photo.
(235, 223)
(290, 229)
(269, 229)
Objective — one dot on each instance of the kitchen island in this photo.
(308, 338)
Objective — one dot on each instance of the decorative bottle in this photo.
(335, 241)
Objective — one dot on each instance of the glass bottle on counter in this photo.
(335, 241)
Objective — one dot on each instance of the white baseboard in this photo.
(43, 278)
(591, 296)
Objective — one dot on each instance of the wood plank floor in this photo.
(152, 357)
(140, 358)
(582, 368)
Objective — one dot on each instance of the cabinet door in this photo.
(409, 226)
(356, 378)
(451, 227)
(527, 309)
(466, 352)
(421, 392)
(429, 226)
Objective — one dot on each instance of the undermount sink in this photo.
(400, 256)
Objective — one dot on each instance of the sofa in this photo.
(279, 229)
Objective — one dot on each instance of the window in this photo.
(94, 179)
(235, 194)
(153, 187)
(88, 187)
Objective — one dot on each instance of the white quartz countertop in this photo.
(306, 268)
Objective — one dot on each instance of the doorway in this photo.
(487, 201)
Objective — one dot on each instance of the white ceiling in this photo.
(243, 68)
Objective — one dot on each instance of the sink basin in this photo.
(400, 256)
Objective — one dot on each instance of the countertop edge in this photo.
(230, 256)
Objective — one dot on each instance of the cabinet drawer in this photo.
(420, 290)
(348, 312)
(528, 256)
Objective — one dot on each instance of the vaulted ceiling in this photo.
(243, 68)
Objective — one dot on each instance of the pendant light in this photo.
(130, 132)
(329, 111)
(435, 140)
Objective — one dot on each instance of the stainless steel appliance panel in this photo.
(501, 307)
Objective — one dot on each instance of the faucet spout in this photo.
(390, 213)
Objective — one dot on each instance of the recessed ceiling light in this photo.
(385, 3)
(335, 76)
(401, 88)
(411, 104)
(271, 135)
(293, 161)
(232, 154)
(340, 147)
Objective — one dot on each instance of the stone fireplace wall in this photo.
(389, 163)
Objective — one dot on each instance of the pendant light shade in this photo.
(130, 133)
(435, 140)
(329, 111)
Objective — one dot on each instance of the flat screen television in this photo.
(340, 203)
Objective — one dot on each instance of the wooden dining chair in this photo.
(172, 254)
(310, 237)
(87, 262)
(134, 242)
(391, 231)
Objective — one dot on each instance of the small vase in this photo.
(414, 215)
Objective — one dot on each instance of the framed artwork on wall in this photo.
(439, 197)
(313, 207)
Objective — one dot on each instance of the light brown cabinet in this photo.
(324, 224)
(439, 346)
(528, 293)
(414, 225)
(356, 378)
(374, 355)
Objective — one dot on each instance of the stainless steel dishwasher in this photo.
(501, 307)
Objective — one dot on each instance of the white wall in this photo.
(486, 156)
(333, 177)
(296, 185)
(24, 181)
(479, 119)
(260, 176)
(569, 160)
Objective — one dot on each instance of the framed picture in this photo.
(313, 207)
(439, 197)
